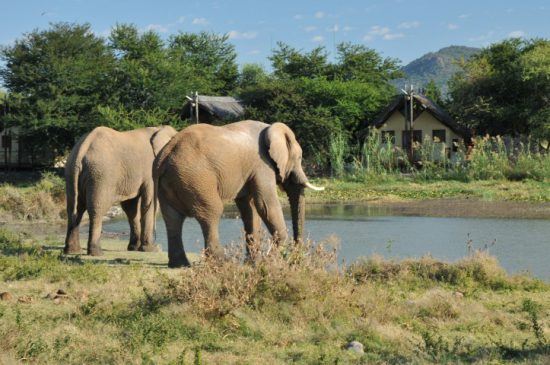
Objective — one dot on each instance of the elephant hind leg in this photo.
(251, 221)
(131, 208)
(209, 219)
(72, 240)
(174, 224)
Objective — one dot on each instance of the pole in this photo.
(196, 107)
(411, 111)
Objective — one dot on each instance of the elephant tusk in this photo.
(313, 187)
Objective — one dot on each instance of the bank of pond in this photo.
(356, 230)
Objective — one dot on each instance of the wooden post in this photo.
(196, 97)
(411, 120)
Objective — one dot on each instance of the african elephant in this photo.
(106, 167)
(205, 165)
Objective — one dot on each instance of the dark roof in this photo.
(222, 107)
(427, 104)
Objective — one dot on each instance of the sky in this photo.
(396, 28)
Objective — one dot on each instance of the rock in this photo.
(458, 295)
(355, 346)
(6, 296)
(25, 299)
(61, 292)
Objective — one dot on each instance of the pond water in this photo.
(519, 244)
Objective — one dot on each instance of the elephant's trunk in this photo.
(297, 201)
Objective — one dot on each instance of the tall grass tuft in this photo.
(338, 150)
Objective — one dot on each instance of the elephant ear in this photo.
(161, 137)
(278, 139)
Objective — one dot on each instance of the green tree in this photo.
(210, 58)
(251, 74)
(504, 89)
(290, 63)
(433, 92)
(56, 78)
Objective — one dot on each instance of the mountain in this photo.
(439, 66)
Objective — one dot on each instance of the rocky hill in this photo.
(439, 66)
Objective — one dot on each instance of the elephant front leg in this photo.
(131, 208)
(251, 221)
(271, 212)
(147, 220)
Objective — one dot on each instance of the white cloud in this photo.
(334, 28)
(383, 32)
(378, 30)
(156, 28)
(463, 16)
(319, 15)
(409, 25)
(392, 36)
(181, 19)
(298, 17)
(235, 34)
(200, 21)
(310, 28)
(452, 26)
(516, 34)
(347, 28)
(318, 39)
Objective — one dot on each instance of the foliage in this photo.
(43, 200)
(65, 80)
(292, 305)
(504, 89)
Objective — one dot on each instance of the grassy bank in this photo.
(287, 308)
(44, 199)
(405, 189)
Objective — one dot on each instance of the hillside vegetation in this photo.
(438, 66)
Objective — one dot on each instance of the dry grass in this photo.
(292, 305)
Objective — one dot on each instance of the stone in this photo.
(25, 299)
(6, 296)
(458, 295)
(355, 346)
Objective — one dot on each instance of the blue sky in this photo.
(396, 28)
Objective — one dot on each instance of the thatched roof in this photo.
(220, 107)
(426, 104)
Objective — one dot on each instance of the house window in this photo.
(417, 137)
(439, 135)
(388, 135)
(6, 141)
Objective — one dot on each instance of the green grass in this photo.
(292, 306)
(406, 188)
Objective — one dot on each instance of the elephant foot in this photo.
(215, 252)
(150, 248)
(72, 250)
(95, 251)
(179, 261)
(133, 246)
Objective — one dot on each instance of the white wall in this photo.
(425, 122)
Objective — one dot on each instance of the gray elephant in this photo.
(106, 167)
(203, 166)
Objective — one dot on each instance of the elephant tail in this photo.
(73, 169)
(158, 171)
